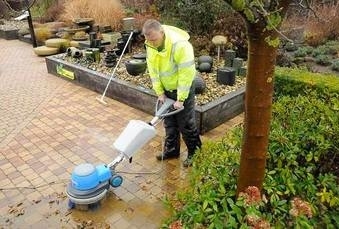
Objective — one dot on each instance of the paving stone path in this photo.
(48, 125)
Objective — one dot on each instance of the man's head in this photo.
(153, 32)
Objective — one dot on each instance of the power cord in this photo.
(63, 181)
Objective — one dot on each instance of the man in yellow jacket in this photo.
(171, 65)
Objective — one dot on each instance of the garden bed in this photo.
(9, 28)
(9, 34)
(209, 115)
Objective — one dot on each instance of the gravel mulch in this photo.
(213, 90)
(12, 24)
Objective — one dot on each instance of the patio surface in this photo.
(49, 125)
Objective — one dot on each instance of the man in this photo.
(170, 62)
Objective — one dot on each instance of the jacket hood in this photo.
(175, 33)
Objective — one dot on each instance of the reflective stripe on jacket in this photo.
(172, 68)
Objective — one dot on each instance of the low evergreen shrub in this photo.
(323, 60)
(301, 187)
(303, 51)
(335, 65)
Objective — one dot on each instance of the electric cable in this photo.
(65, 181)
(62, 181)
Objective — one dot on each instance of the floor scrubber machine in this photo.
(89, 183)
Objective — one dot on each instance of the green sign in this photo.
(63, 72)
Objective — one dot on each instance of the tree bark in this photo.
(258, 104)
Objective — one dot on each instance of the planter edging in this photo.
(208, 116)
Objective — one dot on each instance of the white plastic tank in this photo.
(136, 134)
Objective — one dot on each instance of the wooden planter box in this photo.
(208, 116)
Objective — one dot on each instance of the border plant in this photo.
(335, 65)
(299, 191)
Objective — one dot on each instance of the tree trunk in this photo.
(258, 104)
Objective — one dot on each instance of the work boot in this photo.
(189, 160)
(167, 155)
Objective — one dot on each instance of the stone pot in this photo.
(226, 75)
(135, 67)
(139, 56)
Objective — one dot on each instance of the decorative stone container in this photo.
(226, 75)
(135, 67)
(229, 56)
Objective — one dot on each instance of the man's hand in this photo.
(178, 104)
(161, 98)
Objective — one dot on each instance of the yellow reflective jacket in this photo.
(172, 68)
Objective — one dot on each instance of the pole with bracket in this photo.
(30, 24)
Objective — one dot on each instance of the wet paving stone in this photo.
(52, 125)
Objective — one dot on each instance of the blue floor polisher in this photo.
(89, 183)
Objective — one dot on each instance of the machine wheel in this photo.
(71, 204)
(116, 181)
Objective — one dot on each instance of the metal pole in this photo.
(30, 24)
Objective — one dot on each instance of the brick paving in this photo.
(49, 125)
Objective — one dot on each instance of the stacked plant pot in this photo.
(110, 58)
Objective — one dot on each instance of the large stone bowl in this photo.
(135, 67)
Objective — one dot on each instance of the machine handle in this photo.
(166, 109)
(173, 112)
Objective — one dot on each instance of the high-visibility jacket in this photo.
(172, 68)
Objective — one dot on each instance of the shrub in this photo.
(290, 46)
(232, 25)
(296, 82)
(103, 12)
(137, 6)
(330, 48)
(323, 60)
(322, 23)
(303, 51)
(300, 189)
(192, 16)
(53, 12)
(284, 59)
(335, 65)
(46, 10)
(42, 33)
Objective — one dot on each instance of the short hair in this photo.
(151, 24)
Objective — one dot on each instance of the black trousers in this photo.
(183, 123)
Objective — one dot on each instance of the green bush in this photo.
(289, 46)
(335, 65)
(323, 60)
(294, 82)
(303, 51)
(330, 48)
(300, 189)
(192, 16)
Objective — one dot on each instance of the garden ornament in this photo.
(219, 41)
